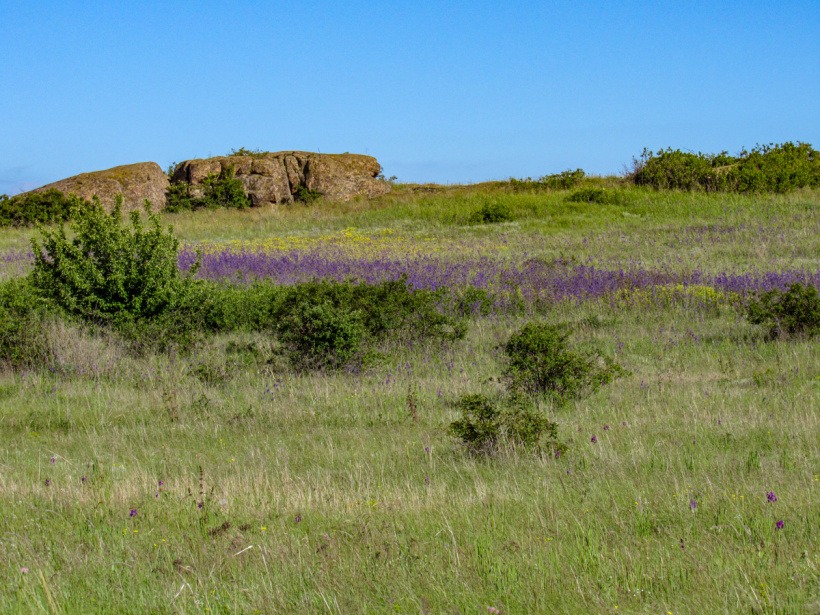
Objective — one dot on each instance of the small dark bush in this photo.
(492, 212)
(22, 313)
(793, 312)
(343, 320)
(766, 168)
(39, 208)
(321, 335)
(306, 195)
(109, 274)
(564, 180)
(222, 190)
(594, 195)
(487, 424)
(540, 362)
(560, 181)
(243, 151)
(390, 307)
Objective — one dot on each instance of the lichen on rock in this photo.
(136, 182)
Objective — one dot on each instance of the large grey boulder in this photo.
(276, 177)
(136, 182)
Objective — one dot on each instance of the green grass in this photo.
(315, 491)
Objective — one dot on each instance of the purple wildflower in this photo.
(606, 427)
(133, 512)
(52, 460)
(779, 525)
(693, 504)
(298, 518)
(771, 497)
(593, 439)
(427, 480)
(48, 483)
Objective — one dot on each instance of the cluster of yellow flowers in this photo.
(356, 242)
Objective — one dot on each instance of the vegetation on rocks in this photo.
(222, 190)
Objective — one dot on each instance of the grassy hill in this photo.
(221, 477)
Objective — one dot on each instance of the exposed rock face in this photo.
(275, 177)
(136, 182)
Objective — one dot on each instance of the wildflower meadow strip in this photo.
(531, 280)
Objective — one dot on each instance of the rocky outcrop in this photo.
(136, 182)
(276, 177)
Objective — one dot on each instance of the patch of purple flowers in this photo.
(534, 280)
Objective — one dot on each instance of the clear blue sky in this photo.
(438, 91)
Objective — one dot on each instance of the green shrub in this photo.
(224, 190)
(321, 335)
(218, 191)
(243, 151)
(487, 424)
(390, 307)
(541, 363)
(492, 212)
(564, 180)
(109, 273)
(306, 195)
(560, 181)
(766, 168)
(178, 198)
(39, 208)
(22, 312)
(344, 321)
(594, 195)
(793, 312)
(776, 168)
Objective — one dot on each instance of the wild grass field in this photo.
(221, 479)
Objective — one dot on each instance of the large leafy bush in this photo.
(109, 273)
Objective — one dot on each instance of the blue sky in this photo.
(442, 91)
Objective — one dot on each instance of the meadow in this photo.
(220, 479)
